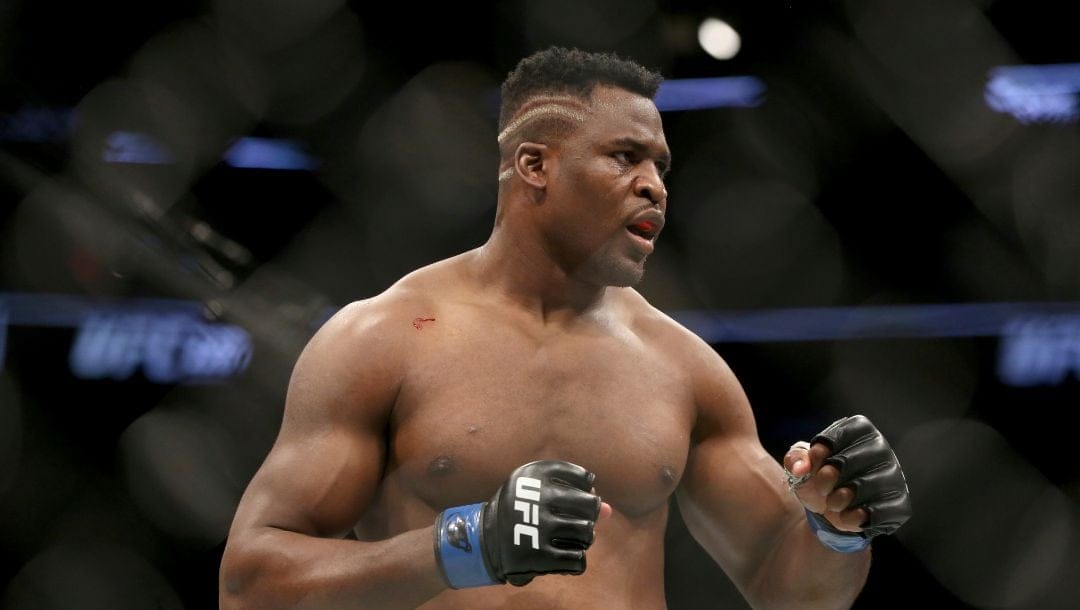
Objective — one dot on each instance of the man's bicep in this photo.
(316, 486)
(732, 495)
(325, 465)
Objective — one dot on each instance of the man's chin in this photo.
(624, 276)
(616, 271)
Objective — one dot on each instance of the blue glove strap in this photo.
(843, 542)
(457, 547)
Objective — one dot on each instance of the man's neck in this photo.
(525, 273)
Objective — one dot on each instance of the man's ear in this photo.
(531, 163)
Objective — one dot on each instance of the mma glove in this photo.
(867, 466)
(539, 522)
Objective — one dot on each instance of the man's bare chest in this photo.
(471, 410)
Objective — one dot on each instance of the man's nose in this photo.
(650, 185)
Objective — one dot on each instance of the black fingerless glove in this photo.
(539, 522)
(869, 467)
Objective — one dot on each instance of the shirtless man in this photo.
(454, 435)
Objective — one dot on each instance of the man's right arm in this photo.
(285, 547)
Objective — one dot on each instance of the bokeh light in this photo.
(718, 38)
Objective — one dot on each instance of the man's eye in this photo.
(624, 157)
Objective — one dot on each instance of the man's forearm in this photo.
(801, 572)
(275, 568)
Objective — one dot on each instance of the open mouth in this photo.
(645, 229)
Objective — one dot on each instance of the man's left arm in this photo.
(806, 547)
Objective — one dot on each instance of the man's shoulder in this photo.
(429, 283)
(414, 296)
(710, 382)
(654, 325)
(710, 377)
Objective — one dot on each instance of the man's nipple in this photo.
(441, 466)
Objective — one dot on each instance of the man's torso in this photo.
(485, 392)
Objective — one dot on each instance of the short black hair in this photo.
(558, 70)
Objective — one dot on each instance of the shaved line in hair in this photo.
(548, 106)
(565, 106)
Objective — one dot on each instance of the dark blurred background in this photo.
(890, 226)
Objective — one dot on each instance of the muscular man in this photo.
(453, 436)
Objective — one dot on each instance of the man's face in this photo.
(606, 190)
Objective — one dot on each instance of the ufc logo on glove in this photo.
(519, 533)
(527, 489)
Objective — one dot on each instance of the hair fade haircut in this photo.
(558, 71)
